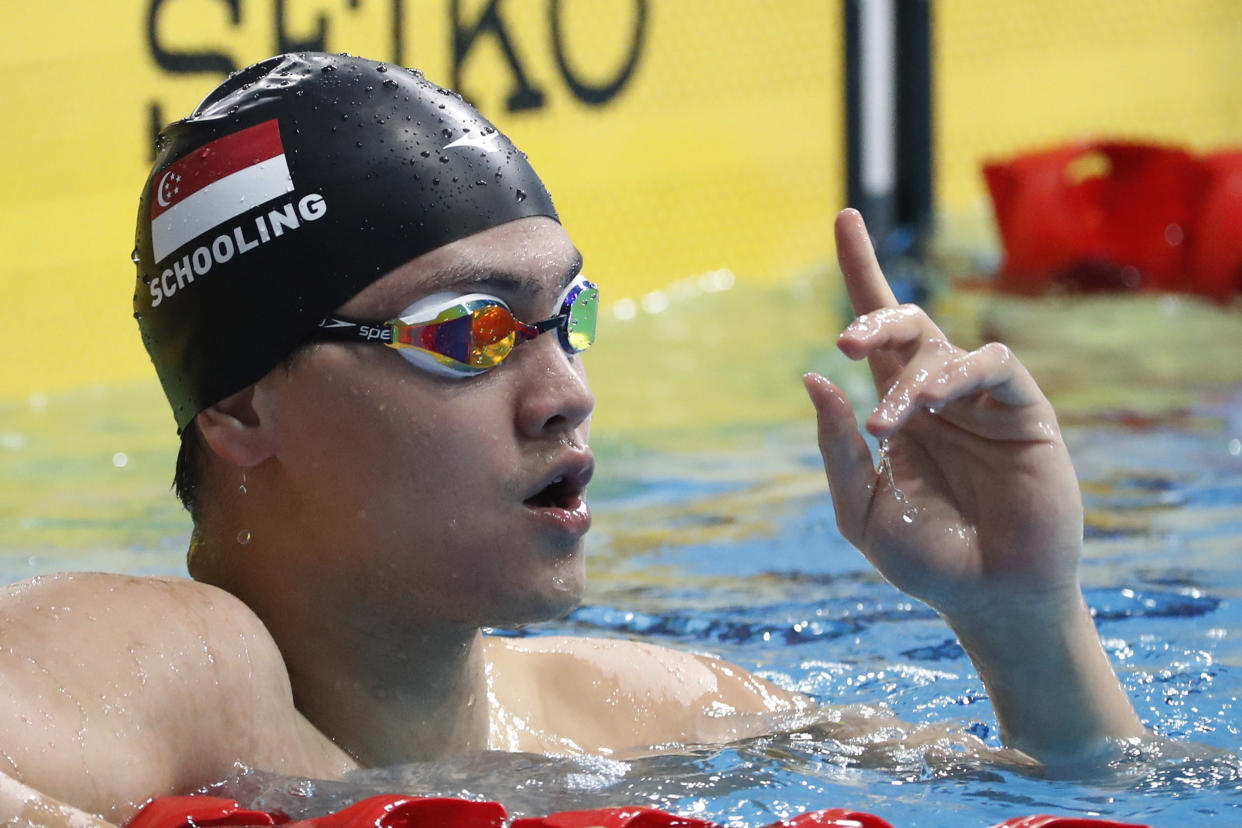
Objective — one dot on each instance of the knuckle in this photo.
(997, 350)
(848, 528)
(931, 392)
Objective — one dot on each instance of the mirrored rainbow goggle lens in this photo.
(580, 308)
(479, 334)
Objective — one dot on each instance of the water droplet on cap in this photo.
(520, 195)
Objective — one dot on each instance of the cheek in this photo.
(420, 463)
(422, 466)
(345, 444)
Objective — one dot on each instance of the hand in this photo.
(976, 507)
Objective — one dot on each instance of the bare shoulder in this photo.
(48, 603)
(119, 688)
(612, 695)
(94, 628)
(638, 668)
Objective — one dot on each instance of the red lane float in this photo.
(388, 811)
(392, 811)
(639, 817)
(1061, 822)
(1114, 215)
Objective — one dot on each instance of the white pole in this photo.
(878, 58)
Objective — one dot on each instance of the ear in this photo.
(239, 428)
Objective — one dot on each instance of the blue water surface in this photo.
(728, 546)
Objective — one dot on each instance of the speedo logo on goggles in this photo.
(462, 336)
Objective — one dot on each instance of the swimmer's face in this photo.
(440, 497)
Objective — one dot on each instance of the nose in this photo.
(555, 395)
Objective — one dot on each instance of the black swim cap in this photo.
(294, 185)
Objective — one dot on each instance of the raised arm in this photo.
(974, 508)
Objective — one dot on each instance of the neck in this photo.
(386, 702)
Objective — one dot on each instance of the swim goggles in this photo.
(460, 336)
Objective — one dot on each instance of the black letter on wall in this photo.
(182, 62)
(584, 92)
(524, 95)
(188, 62)
(285, 43)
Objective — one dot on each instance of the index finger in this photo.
(864, 281)
(866, 286)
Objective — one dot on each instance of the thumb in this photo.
(847, 460)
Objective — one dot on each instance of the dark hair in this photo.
(187, 480)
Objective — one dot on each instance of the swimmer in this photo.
(369, 322)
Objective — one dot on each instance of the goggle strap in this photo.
(340, 329)
(533, 329)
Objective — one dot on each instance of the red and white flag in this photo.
(216, 182)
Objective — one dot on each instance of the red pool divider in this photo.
(1214, 260)
(1116, 215)
(394, 811)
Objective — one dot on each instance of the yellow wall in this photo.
(721, 151)
(1013, 75)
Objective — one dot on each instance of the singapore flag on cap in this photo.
(216, 182)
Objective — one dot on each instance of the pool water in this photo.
(714, 532)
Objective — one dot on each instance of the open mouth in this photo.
(561, 493)
(564, 486)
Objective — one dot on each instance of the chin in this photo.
(552, 601)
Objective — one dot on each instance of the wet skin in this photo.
(389, 514)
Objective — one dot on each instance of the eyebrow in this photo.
(464, 274)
